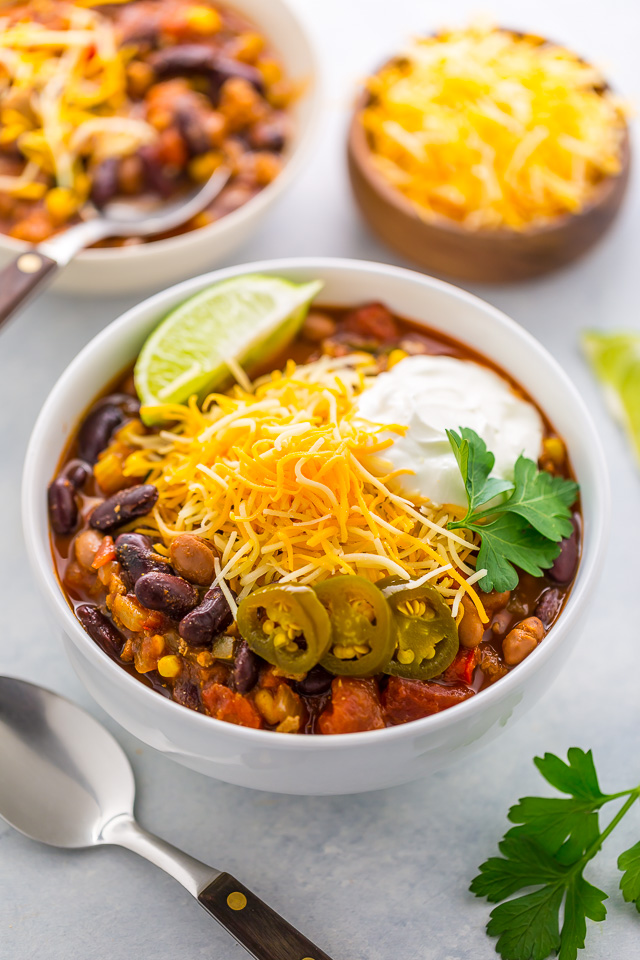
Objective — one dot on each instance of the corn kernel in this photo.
(169, 666)
(203, 20)
(395, 357)
(202, 167)
(270, 69)
(61, 204)
(248, 47)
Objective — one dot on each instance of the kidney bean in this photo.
(166, 593)
(63, 509)
(104, 186)
(565, 565)
(135, 555)
(77, 473)
(191, 128)
(123, 506)
(316, 683)
(187, 59)
(208, 619)
(128, 404)
(372, 320)
(548, 606)
(193, 558)
(269, 134)
(187, 693)
(246, 668)
(101, 629)
(95, 432)
(155, 177)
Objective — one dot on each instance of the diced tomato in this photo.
(105, 553)
(372, 320)
(223, 704)
(154, 621)
(463, 666)
(354, 707)
(405, 700)
(172, 150)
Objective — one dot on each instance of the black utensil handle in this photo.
(20, 280)
(255, 926)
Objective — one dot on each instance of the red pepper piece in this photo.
(462, 668)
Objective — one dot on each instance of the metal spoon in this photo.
(29, 272)
(66, 781)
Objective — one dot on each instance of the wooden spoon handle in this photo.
(255, 926)
(21, 279)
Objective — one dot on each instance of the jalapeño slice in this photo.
(426, 635)
(361, 635)
(285, 625)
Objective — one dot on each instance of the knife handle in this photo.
(258, 928)
(20, 280)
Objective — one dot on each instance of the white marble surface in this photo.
(382, 876)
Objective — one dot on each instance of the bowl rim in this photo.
(39, 550)
(312, 91)
(359, 152)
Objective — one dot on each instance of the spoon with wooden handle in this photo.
(67, 782)
(32, 270)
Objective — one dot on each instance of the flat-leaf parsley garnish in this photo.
(525, 529)
(546, 853)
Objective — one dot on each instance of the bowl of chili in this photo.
(398, 734)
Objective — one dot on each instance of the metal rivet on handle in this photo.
(237, 900)
(29, 263)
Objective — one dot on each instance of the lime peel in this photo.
(615, 360)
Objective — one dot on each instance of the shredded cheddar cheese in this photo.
(279, 477)
(63, 96)
(493, 129)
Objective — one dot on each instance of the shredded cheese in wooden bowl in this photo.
(493, 129)
(280, 478)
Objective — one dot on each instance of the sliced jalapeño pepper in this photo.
(426, 635)
(285, 625)
(361, 635)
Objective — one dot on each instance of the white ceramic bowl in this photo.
(351, 762)
(117, 270)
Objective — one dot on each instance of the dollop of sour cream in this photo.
(432, 394)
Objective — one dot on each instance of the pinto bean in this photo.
(520, 641)
(136, 557)
(101, 629)
(494, 601)
(548, 606)
(63, 509)
(104, 185)
(95, 432)
(86, 545)
(565, 565)
(318, 326)
(193, 558)
(471, 629)
(166, 593)
(246, 668)
(123, 506)
(316, 683)
(210, 618)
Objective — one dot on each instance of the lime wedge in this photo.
(242, 321)
(615, 358)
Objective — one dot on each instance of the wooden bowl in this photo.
(447, 247)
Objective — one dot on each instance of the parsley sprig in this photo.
(525, 529)
(546, 852)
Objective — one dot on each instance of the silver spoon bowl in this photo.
(66, 781)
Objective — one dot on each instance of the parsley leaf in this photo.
(629, 861)
(545, 854)
(523, 530)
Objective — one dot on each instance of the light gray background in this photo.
(382, 876)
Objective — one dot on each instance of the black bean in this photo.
(136, 556)
(104, 186)
(166, 593)
(187, 693)
(63, 509)
(548, 606)
(101, 629)
(96, 430)
(246, 668)
(315, 684)
(211, 617)
(123, 506)
(77, 472)
(565, 564)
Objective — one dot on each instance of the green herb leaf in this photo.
(523, 530)
(629, 861)
(553, 841)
